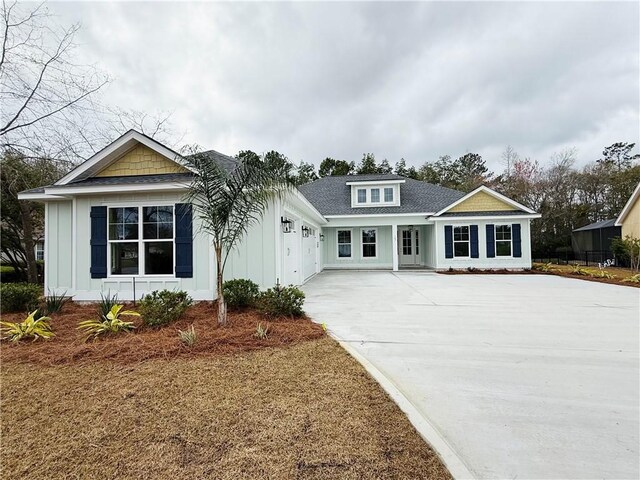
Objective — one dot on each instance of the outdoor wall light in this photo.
(286, 224)
(305, 231)
(321, 237)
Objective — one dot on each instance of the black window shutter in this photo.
(98, 242)
(491, 241)
(517, 240)
(184, 240)
(448, 241)
(473, 235)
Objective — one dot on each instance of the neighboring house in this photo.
(118, 222)
(629, 218)
(592, 243)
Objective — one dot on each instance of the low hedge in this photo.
(19, 297)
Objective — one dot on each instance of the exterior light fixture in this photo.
(305, 231)
(286, 224)
(321, 237)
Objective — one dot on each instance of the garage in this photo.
(300, 251)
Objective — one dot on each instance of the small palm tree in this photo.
(229, 202)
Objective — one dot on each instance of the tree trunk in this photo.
(222, 307)
(29, 244)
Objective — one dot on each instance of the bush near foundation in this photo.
(19, 297)
(163, 306)
(282, 301)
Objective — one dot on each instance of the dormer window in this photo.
(381, 193)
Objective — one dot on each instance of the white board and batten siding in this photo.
(68, 252)
(483, 261)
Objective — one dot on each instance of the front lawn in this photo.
(306, 411)
(144, 405)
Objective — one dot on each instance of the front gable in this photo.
(484, 199)
(141, 160)
(482, 202)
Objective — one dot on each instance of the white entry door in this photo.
(409, 246)
(291, 252)
(309, 247)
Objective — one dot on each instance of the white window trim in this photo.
(368, 203)
(453, 236)
(362, 243)
(350, 230)
(141, 241)
(495, 240)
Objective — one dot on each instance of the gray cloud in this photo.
(412, 80)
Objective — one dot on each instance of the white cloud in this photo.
(410, 80)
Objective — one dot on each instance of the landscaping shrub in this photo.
(110, 323)
(282, 301)
(8, 274)
(29, 328)
(261, 332)
(19, 297)
(188, 337)
(633, 279)
(53, 302)
(164, 306)
(240, 292)
(106, 303)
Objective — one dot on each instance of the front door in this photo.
(409, 246)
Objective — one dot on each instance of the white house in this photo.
(118, 222)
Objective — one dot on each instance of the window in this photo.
(344, 243)
(374, 195)
(141, 247)
(40, 251)
(406, 242)
(461, 241)
(369, 243)
(503, 240)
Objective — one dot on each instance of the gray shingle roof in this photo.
(129, 180)
(332, 196)
(597, 225)
(225, 161)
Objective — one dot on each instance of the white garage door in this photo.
(291, 247)
(309, 245)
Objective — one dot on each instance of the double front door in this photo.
(409, 246)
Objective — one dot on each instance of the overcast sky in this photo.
(412, 80)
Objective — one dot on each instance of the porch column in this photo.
(394, 247)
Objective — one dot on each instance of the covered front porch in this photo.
(392, 246)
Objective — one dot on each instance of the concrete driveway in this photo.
(524, 376)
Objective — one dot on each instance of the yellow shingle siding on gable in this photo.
(141, 161)
(482, 202)
(631, 223)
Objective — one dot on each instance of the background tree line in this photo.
(567, 196)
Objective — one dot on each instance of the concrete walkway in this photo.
(524, 376)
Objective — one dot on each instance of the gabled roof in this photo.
(332, 196)
(116, 149)
(627, 208)
(493, 193)
(597, 225)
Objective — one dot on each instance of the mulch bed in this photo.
(144, 343)
(559, 273)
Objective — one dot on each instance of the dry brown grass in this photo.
(303, 412)
(69, 345)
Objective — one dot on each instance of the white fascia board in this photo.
(376, 182)
(377, 215)
(627, 207)
(89, 189)
(43, 197)
(114, 146)
(491, 192)
(497, 218)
